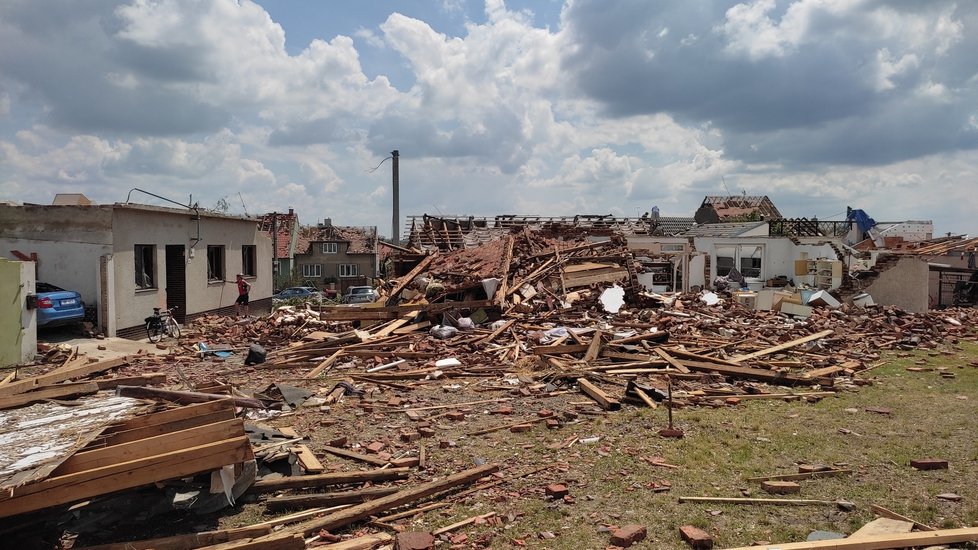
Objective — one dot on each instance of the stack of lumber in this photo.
(139, 451)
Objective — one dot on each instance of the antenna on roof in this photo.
(243, 207)
(725, 185)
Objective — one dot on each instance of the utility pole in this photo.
(395, 234)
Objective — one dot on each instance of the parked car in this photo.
(360, 295)
(300, 292)
(57, 306)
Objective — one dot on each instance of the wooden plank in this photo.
(171, 415)
(187, 542)
(774, 501)
(275, 541)
(107, 479)
(405, 319)
(142, 448)
(325, 364)
(671, 360)
(323, 480)
(149, 379)
(327, 499)
(307, 460)
(594, 348)
(607, 403)
(347, 516)
(804, 475)
(784, 346)
(883, 526)
(560, 350)
(9, 378)
(60, 376)
(359, 315)
(879, 542)
(503, 328)
(185, 397)
(365, 542)
(500, 295)
(57, 391)
(376, 461)
(893, 515)
(658, 336)
(409, 278)
(125, 436)
(749, 373)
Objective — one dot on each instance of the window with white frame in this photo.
(748, 259)
(330, 248)
(312, 270)
(349, 270)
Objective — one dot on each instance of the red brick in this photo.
(502, 410)
(410, 436)
(338, 442)
(375, 447)
(553, 423)
(557, 490)
(545, 413)
(414, 540)
(929, 464)
(519, 428)
(455, 416)
(732, 401)
(426, 431)
(628, 535)
(696, 537)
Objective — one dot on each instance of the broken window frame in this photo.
(347, 271)
(754, 253)
(331, 248)
(215, 263)
(144, 265)
(249, 260)
(310, 271)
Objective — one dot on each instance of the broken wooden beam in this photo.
(376, 461)
(607, 402)
(879, 542)
(350, 515)
(409, 278)
(61, 375)
(185, 397)
(185, 542)
(56, 391)
(323, 480)
(784, 346)
(314, 500)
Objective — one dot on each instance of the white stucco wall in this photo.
(68, 241)
(140, 226)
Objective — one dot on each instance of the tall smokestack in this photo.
(395, 234)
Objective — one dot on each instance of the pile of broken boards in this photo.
(112, 463)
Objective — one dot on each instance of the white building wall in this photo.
(138, 226)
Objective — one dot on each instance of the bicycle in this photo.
(162, 322)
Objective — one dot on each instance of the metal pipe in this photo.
(395, 233)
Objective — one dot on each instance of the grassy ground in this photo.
(930, 416)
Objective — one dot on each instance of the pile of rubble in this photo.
(540, 319)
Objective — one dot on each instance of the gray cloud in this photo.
(798, 96)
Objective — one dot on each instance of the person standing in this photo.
(971, 259)
(242, 302)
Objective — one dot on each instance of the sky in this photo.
(523, 107)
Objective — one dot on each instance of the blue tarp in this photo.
(861, 218)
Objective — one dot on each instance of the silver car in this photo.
(360, 295)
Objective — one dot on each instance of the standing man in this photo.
(971, 259)
(242, 301)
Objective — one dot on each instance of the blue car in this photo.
(57, 306)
